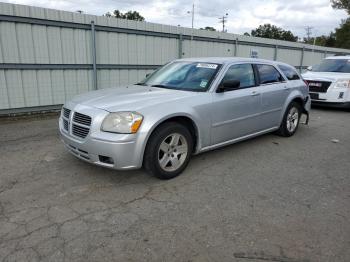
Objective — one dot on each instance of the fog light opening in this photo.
(106, 160)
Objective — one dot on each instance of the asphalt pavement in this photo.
(266, 199)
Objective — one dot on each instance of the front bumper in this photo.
(345, 105)
(116, 151)
(334, 97)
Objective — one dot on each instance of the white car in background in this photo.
(329, 82)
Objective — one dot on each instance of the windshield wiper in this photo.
(162, 86)
(141, 84)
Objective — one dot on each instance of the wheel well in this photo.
(299, 101)
(187, 122)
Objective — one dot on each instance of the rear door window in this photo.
(289, 72)
(269, 74)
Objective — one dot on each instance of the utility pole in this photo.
(192, 12)
(308, 32)
(223, 20)
(192, 15)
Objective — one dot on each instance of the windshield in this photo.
(182, 75)
(333, 65)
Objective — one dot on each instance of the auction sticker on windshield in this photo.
(203, 83)
(211, 66)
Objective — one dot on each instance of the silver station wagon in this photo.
(186, 107)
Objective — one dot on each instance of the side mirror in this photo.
(309, 68)
(228, 85)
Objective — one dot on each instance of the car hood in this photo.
(129, 98)
(325, 76)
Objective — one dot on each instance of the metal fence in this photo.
(47, 56)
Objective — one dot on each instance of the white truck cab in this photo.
(329, 82)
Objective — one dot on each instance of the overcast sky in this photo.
(243, 15)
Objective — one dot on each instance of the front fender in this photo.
(152, 121)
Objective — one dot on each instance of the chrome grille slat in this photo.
(81, 125)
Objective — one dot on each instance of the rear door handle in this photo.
(255, 93)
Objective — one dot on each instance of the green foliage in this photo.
(208, 28)
(130, 15)
(274, 32)
(342, 34)
(341, 4)
(323, 40)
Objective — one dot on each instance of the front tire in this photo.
(168, 150)
(291, 119)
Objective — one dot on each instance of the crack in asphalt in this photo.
(266, 257)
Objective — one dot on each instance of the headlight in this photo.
(344, 83)
(122, 122)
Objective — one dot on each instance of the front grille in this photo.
(65, 117)
(318, 86)
(81, 125)
(80, 131)
(66, 112)
(82, 119)
(65, 124)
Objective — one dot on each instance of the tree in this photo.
(323, 40)
(208, 28)
(130, 15)
(274, 32)
(246, 34)
(133, 15)
(341, 4)
(342, 34)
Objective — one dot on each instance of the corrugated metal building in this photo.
(47, 56)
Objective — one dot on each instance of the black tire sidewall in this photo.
(285, 130)
(151, 156)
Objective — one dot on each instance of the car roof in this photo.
(226, 60)
(339, 57)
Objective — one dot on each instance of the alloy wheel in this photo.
(172, 152)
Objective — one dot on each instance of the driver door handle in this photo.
(255, 93)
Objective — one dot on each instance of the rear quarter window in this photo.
(289, 72)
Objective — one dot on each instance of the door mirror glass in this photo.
(232, 84)
(229, 84)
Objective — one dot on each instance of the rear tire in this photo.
(291, 119)
(168, 150)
